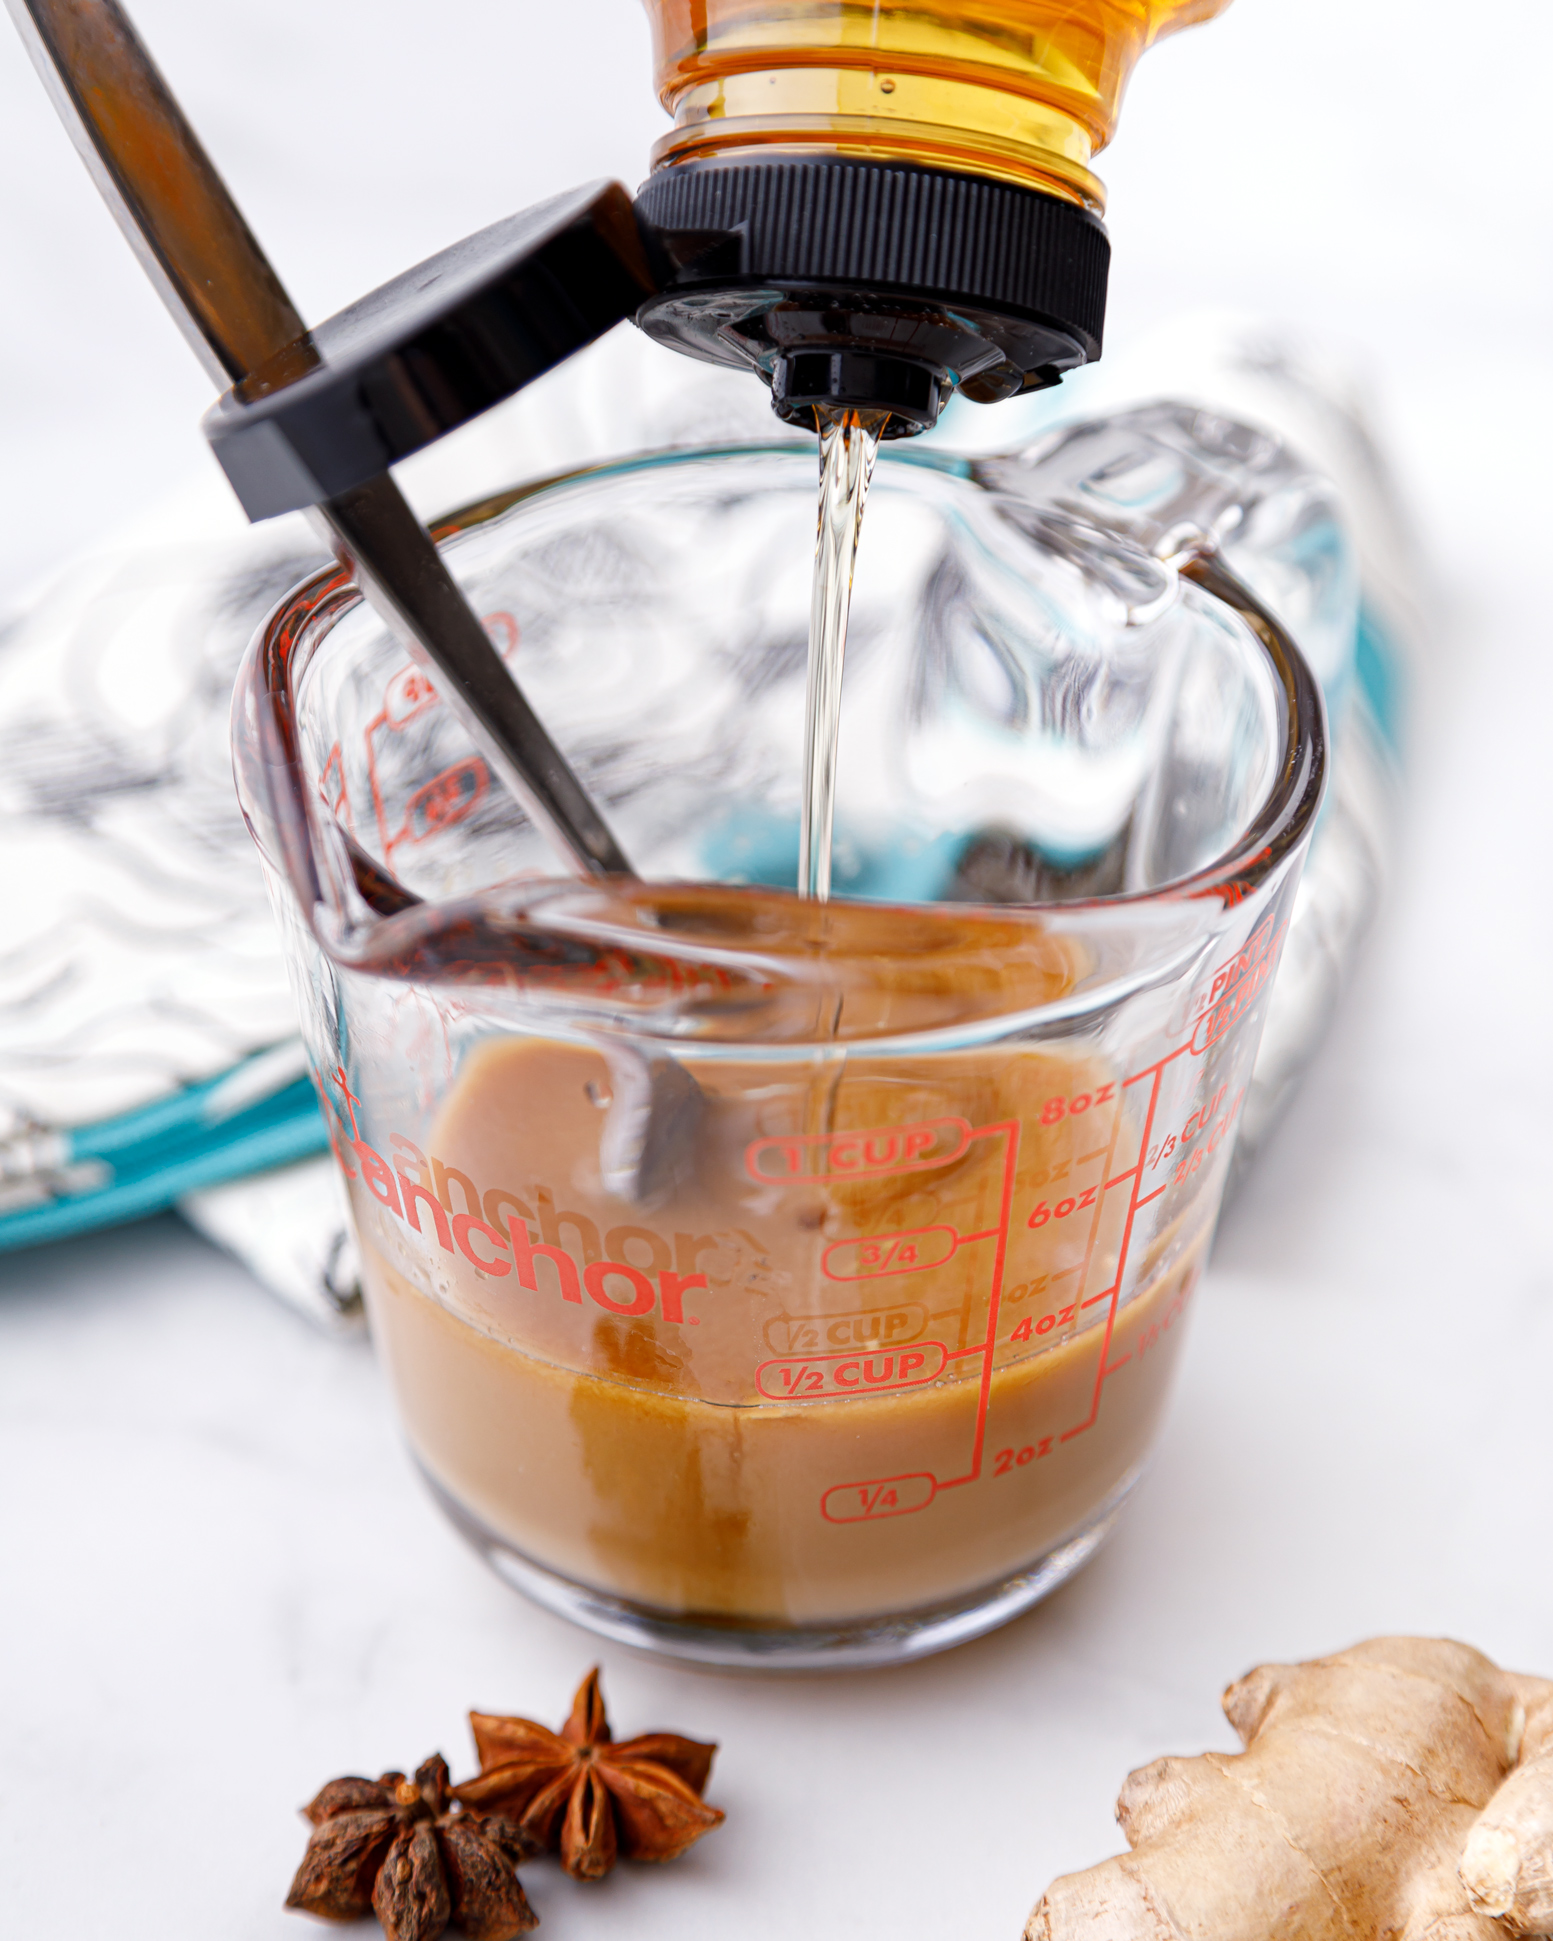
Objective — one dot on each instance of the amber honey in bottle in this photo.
(1024, 91)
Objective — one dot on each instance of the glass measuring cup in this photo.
(765, 1281)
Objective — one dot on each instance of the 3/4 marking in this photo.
(889, 1496)
(889, 1253)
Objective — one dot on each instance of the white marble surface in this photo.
(221, 1582)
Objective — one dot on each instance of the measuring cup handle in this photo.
(1295, 796)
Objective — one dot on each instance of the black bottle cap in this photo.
(873, 284)
(431, 350)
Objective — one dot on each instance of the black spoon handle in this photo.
(209, 270)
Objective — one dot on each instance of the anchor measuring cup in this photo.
(764, 1281)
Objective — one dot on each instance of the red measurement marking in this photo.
(798, 1376)
(1222, 1019)
(504, 631)
(1151, 1334)
(407, 696)
(1054, 1111)
(814, 1334)
(447, 798)
(858, 1155)
(334, 790)
(1007, 1460)
(1154, 1073)
(890, 1496)
(889, 1253)
(1259, 948)
(1030, 1326)
(806, 1378)
(1008, 1131)
(1068, 1204)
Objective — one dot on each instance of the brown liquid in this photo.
(851, 1231)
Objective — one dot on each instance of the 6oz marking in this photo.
(1063, 1208)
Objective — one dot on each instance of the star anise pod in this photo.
(404, 1850)
(580, 1794)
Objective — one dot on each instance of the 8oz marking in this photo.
(1058, 1109)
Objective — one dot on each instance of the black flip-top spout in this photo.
(432, 349)
(872, 285)
(854, 284)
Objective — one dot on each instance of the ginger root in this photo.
(1400, 1791)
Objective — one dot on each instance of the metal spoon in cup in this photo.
(194, 244)
(426, 352)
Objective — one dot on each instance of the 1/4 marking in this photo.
(889, 1496)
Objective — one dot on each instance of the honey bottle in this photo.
(873, 206)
